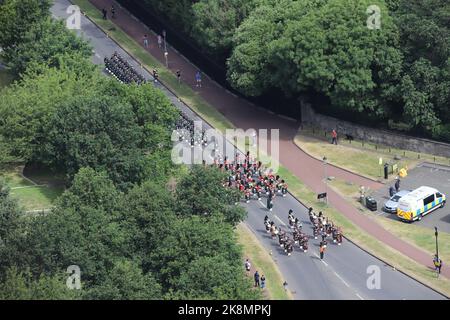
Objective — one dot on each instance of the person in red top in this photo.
(334, 137)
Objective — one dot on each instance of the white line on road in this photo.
(321, 259)
(341, 279)
(359, 297)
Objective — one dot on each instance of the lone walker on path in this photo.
(159, 41)
(198, 79)
(437, 264)
(334, 137)
(145, 41)
(179, 76)
(104, 12)
(247, 265)
(113, 12)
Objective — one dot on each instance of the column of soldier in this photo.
(186, 131)
(298, 237)
(325, 228)
(122, 70)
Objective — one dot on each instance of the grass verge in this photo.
(297, 188)
(32, 194)
(5, 78)
(263, 262)
(361, 161)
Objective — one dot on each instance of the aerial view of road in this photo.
(345, 271)
(193, 154)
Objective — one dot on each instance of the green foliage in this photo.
(22, 286)
(17, 17)
(44, 43)
(201, 192)
(323, 45)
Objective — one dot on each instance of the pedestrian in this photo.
(391, 191)
(247, 265)
(113, 12)
(334, 137)
(155, 75)
(256, 276)
(263, 282)
(285, 284)
(437, 264)
(322, 250)
(198, 79)
(397, 184)
(145, 41)
(179, 76)
(159, 41)
(104, 12)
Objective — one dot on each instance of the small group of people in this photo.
(251, 178)
(122, 70)
(324, 227)
(259, 281)
(286, 242)
(105, 13)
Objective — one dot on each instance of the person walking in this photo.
(263, 282)
(437, 264)
(322, 250)
(179, 76)
(198, 79)
(247, 265)
(113, 12)
(159, 41)
(334, 137)
(256, 276)
(155, 75)
(145, 41)
(105, 13)
(397, 184)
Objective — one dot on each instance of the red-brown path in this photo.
(246, 115)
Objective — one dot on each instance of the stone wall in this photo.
(377, 136)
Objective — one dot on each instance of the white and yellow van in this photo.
(419, 202)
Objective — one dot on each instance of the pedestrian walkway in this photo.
(245, 115)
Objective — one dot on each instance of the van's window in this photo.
(438, 195)
(428, 200)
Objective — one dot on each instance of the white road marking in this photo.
(341, 279)
(97, 55)
(359, 297)
(321, 259)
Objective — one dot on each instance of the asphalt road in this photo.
(343, 272)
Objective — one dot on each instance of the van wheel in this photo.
(419, 218)
(443, 204)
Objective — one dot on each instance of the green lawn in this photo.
(37, 197)
(31, 193)
(362, 161)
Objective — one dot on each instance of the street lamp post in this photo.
(167, 61)
(165, 45)
(437, 248)
(326, 177)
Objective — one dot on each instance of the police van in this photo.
(419, 202)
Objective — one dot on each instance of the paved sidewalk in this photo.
(246, 115)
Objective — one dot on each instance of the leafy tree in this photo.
(214, 278)
(17, 17)
(201, 192)
(214, 23)
(22, 286)
(126, 282)
(43, 43)
(320, 45)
